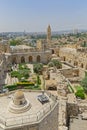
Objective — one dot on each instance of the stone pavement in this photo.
(78, 124)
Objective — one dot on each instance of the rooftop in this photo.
(34, 114)
(19, 47)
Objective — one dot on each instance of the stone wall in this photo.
(2, 70)
(5, 47)
(50, 122)
(72, 105)
(31, 57)
(74, 57)
(78, 59)
(70, 72)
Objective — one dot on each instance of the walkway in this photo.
(78, 124)
(31, 67)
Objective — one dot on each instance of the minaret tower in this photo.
(48, 34)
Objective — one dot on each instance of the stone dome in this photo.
(19, 94)
(19, 98)
(19, 103)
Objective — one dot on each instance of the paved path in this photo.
(31, 67)
(78, 124)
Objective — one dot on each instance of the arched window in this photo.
(30, 59)
(69, 61)
(38, 58)
(75, 63)
(14, 61)
(82, 65)
(22, 59)
(5, 49)
(52, 51)
(86, 67)
(64, 58)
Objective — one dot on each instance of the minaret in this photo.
(48, 34)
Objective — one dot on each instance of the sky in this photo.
(36, 15)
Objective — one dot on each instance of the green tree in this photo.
(38, 68)
(84, 44)
(14, 42)
(56, 63)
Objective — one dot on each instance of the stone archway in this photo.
(22, 59)
(14, 60)
(30, 59)
(38, 58)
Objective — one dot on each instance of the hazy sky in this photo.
(35, 15)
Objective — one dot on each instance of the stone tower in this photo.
(48, 34)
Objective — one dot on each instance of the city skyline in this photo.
(35, 16)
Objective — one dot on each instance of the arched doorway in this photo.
(22, 59)
(30, 59)
(14, 61)
(52, 51)
(38, 58)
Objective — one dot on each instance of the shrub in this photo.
(11, 87)
(50, 64)
(56, 63)
(14, 74)
(80, 93)
(84, 83)
(23, 66)
(38, 80)
(25, 84)
(20, 74)
(38, 68)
